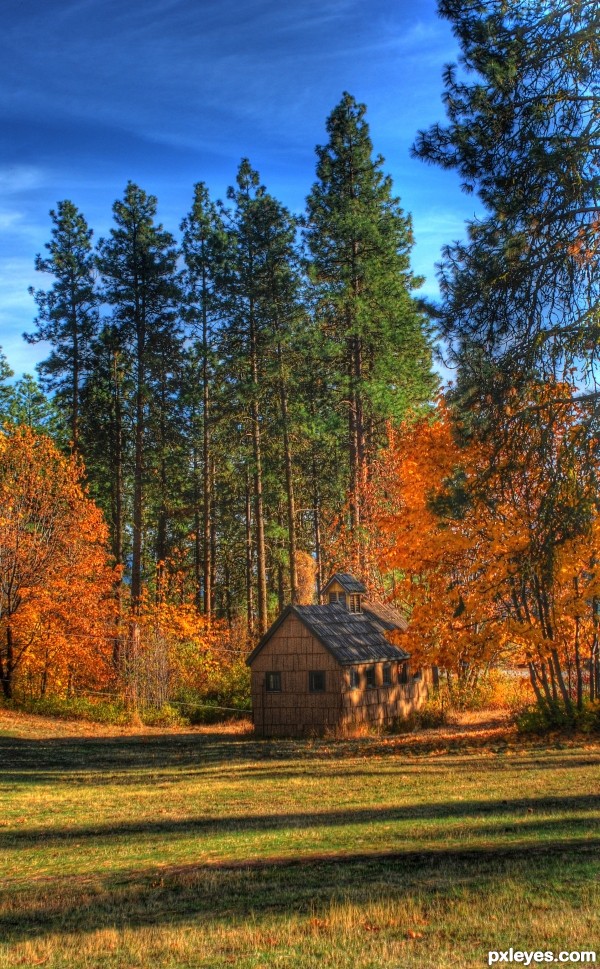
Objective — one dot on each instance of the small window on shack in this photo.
(337, 597)
(273, 682)
(387, 674)
(354, 679)
(370, 677)
(355, 603)
(403, 673)
(316, 681)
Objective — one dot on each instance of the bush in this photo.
(166, 716)
(433, 714)
(75, 708)
(538, 720)
(100, 711)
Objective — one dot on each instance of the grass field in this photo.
(211, 849)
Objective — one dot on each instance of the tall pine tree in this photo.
(203, 251)
(521, 295)
(67, 312)
(138, 266)
(373, 334)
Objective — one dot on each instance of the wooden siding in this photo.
(293, 652)
(381, 704)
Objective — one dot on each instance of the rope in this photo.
(179, 703)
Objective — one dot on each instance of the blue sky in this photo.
(170, 92)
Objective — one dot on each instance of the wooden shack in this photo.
(330, 667)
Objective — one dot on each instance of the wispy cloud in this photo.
(15, 179)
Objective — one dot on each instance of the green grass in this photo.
(205, 849)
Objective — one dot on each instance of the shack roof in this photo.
(348, 583)
(350, 637)
(384, 615)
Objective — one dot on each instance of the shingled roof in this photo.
(384, 615)
(350, 637)
(348, 583)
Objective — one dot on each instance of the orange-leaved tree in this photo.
(56, 580)
(492, 548)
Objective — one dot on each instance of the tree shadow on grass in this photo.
(112, 758)
(230, 892)
(517, 809)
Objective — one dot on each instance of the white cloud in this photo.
(15, 179)
(10, 221)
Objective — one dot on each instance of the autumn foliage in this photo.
(56, 579)
(170, 651)
(492, 549)
(67, 621)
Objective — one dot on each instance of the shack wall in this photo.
(293, 652)
(382, 704)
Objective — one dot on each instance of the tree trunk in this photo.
(228, 612)
(75, 373)
(138, 498)
(198, 551)
(207, 477)
(536, 688)
(117, 504)
(249, 557)
(138, 470)
(259, 522)
(289, 479)
(7, 667)
(561, 683)
(578, 670)
(317, 527)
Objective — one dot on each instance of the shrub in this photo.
(433, 714)
(75, 708)
(166, 716)
(538, 720)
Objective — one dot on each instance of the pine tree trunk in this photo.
(228, 611)
(207, 479)
(118, 465)
(117, 502)
(213, 542)
(352, 441)
(259, 523)
(289, 479)
(162, 525)
(138, 471)
(249, 556)
(75, 374)
(198, 550)
(317, 527)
